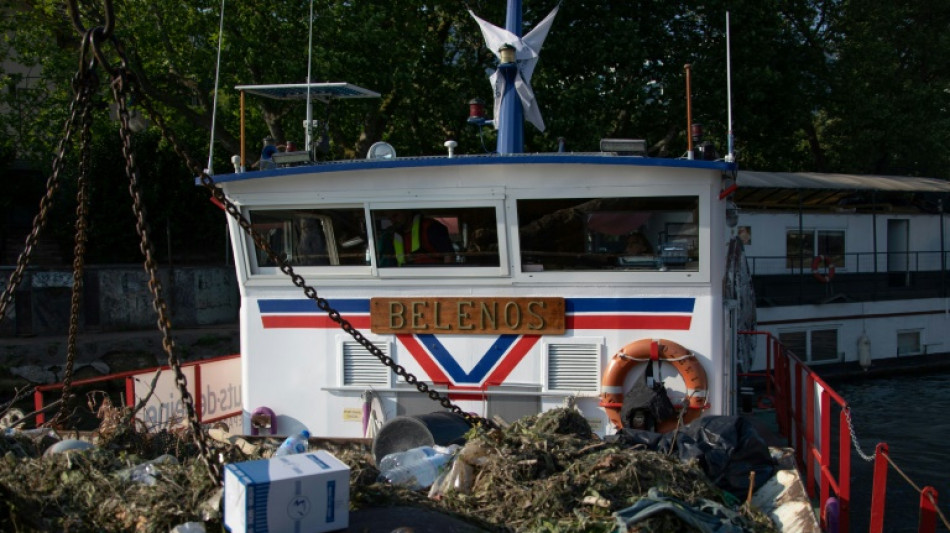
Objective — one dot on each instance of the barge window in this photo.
(583, 234)
(908, 342)
(436, 236)
(801, 247)
(812, 346)
(313, 237)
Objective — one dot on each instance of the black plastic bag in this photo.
(727, 448)
(660, 405)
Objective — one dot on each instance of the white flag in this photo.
(527, 49)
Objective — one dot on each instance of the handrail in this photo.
(793, 387)
(38, 396)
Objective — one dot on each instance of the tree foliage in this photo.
(817, 85)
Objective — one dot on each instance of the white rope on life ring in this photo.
(829, 266)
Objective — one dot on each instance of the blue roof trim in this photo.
(526, 159)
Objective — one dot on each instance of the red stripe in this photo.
(310, 321)
(511, 360)
(628, 322)
(422, 357)
(469, 396)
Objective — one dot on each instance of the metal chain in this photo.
(261, 243)
(854, 437)
(155, 286)
(94, 38)
(79, 254)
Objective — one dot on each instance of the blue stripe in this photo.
(452, 368)
(629, 305)
(310, 306)
(331, 497)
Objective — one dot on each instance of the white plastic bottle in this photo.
(298, 443)
(418, 474)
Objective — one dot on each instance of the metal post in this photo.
(511, 115)
(927, 522)
(844, 472)
(879, 489)
(943, 257)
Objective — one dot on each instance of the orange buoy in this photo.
(644, 350)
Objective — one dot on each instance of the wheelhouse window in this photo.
(312, 237)
(801, 247)
(597, 234)
(812, 346)
(430, 237)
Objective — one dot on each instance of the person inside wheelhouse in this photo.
(409, 238)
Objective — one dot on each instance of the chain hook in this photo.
(109, 19)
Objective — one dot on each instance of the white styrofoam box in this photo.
(305, 493)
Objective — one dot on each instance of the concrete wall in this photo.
(117, 298)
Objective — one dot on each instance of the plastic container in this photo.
(413, 455)
(298, 443)
(415, 469)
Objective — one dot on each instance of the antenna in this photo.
(309, 128)
(730, 154)
(214, 106)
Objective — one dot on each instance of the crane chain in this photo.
(92, 41)
(130, 84)
(261, 243)
(119, 83)
(79, 257)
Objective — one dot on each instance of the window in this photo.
(802, 247)
(812, 346)
(908, 342)
(456, 236)
(584, 234)
(312, 237)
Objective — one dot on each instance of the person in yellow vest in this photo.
(414, 239)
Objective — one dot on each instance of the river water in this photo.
(911, 413)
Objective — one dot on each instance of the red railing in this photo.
(128, 377)
(803, 405)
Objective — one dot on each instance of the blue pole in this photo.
(511, 115)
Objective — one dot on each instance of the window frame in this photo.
(808, 356)
(256, 271)
(701, 275)
(441, 271)
(838, 259)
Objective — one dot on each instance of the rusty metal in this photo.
(79, 254)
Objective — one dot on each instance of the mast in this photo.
(511, 115)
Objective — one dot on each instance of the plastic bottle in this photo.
(421, 471)
(298, 443)
(405, 457)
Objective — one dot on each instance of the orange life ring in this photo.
(691, 370)
(816, 262)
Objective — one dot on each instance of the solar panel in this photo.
(323, 92)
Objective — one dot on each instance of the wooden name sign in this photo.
(497, 316)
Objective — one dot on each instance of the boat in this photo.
(849, 271)
(523, 307)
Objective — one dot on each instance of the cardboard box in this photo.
(305, 493)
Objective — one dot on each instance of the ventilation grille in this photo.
(573, 367)
(360, 367)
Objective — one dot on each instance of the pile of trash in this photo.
(542, 473)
